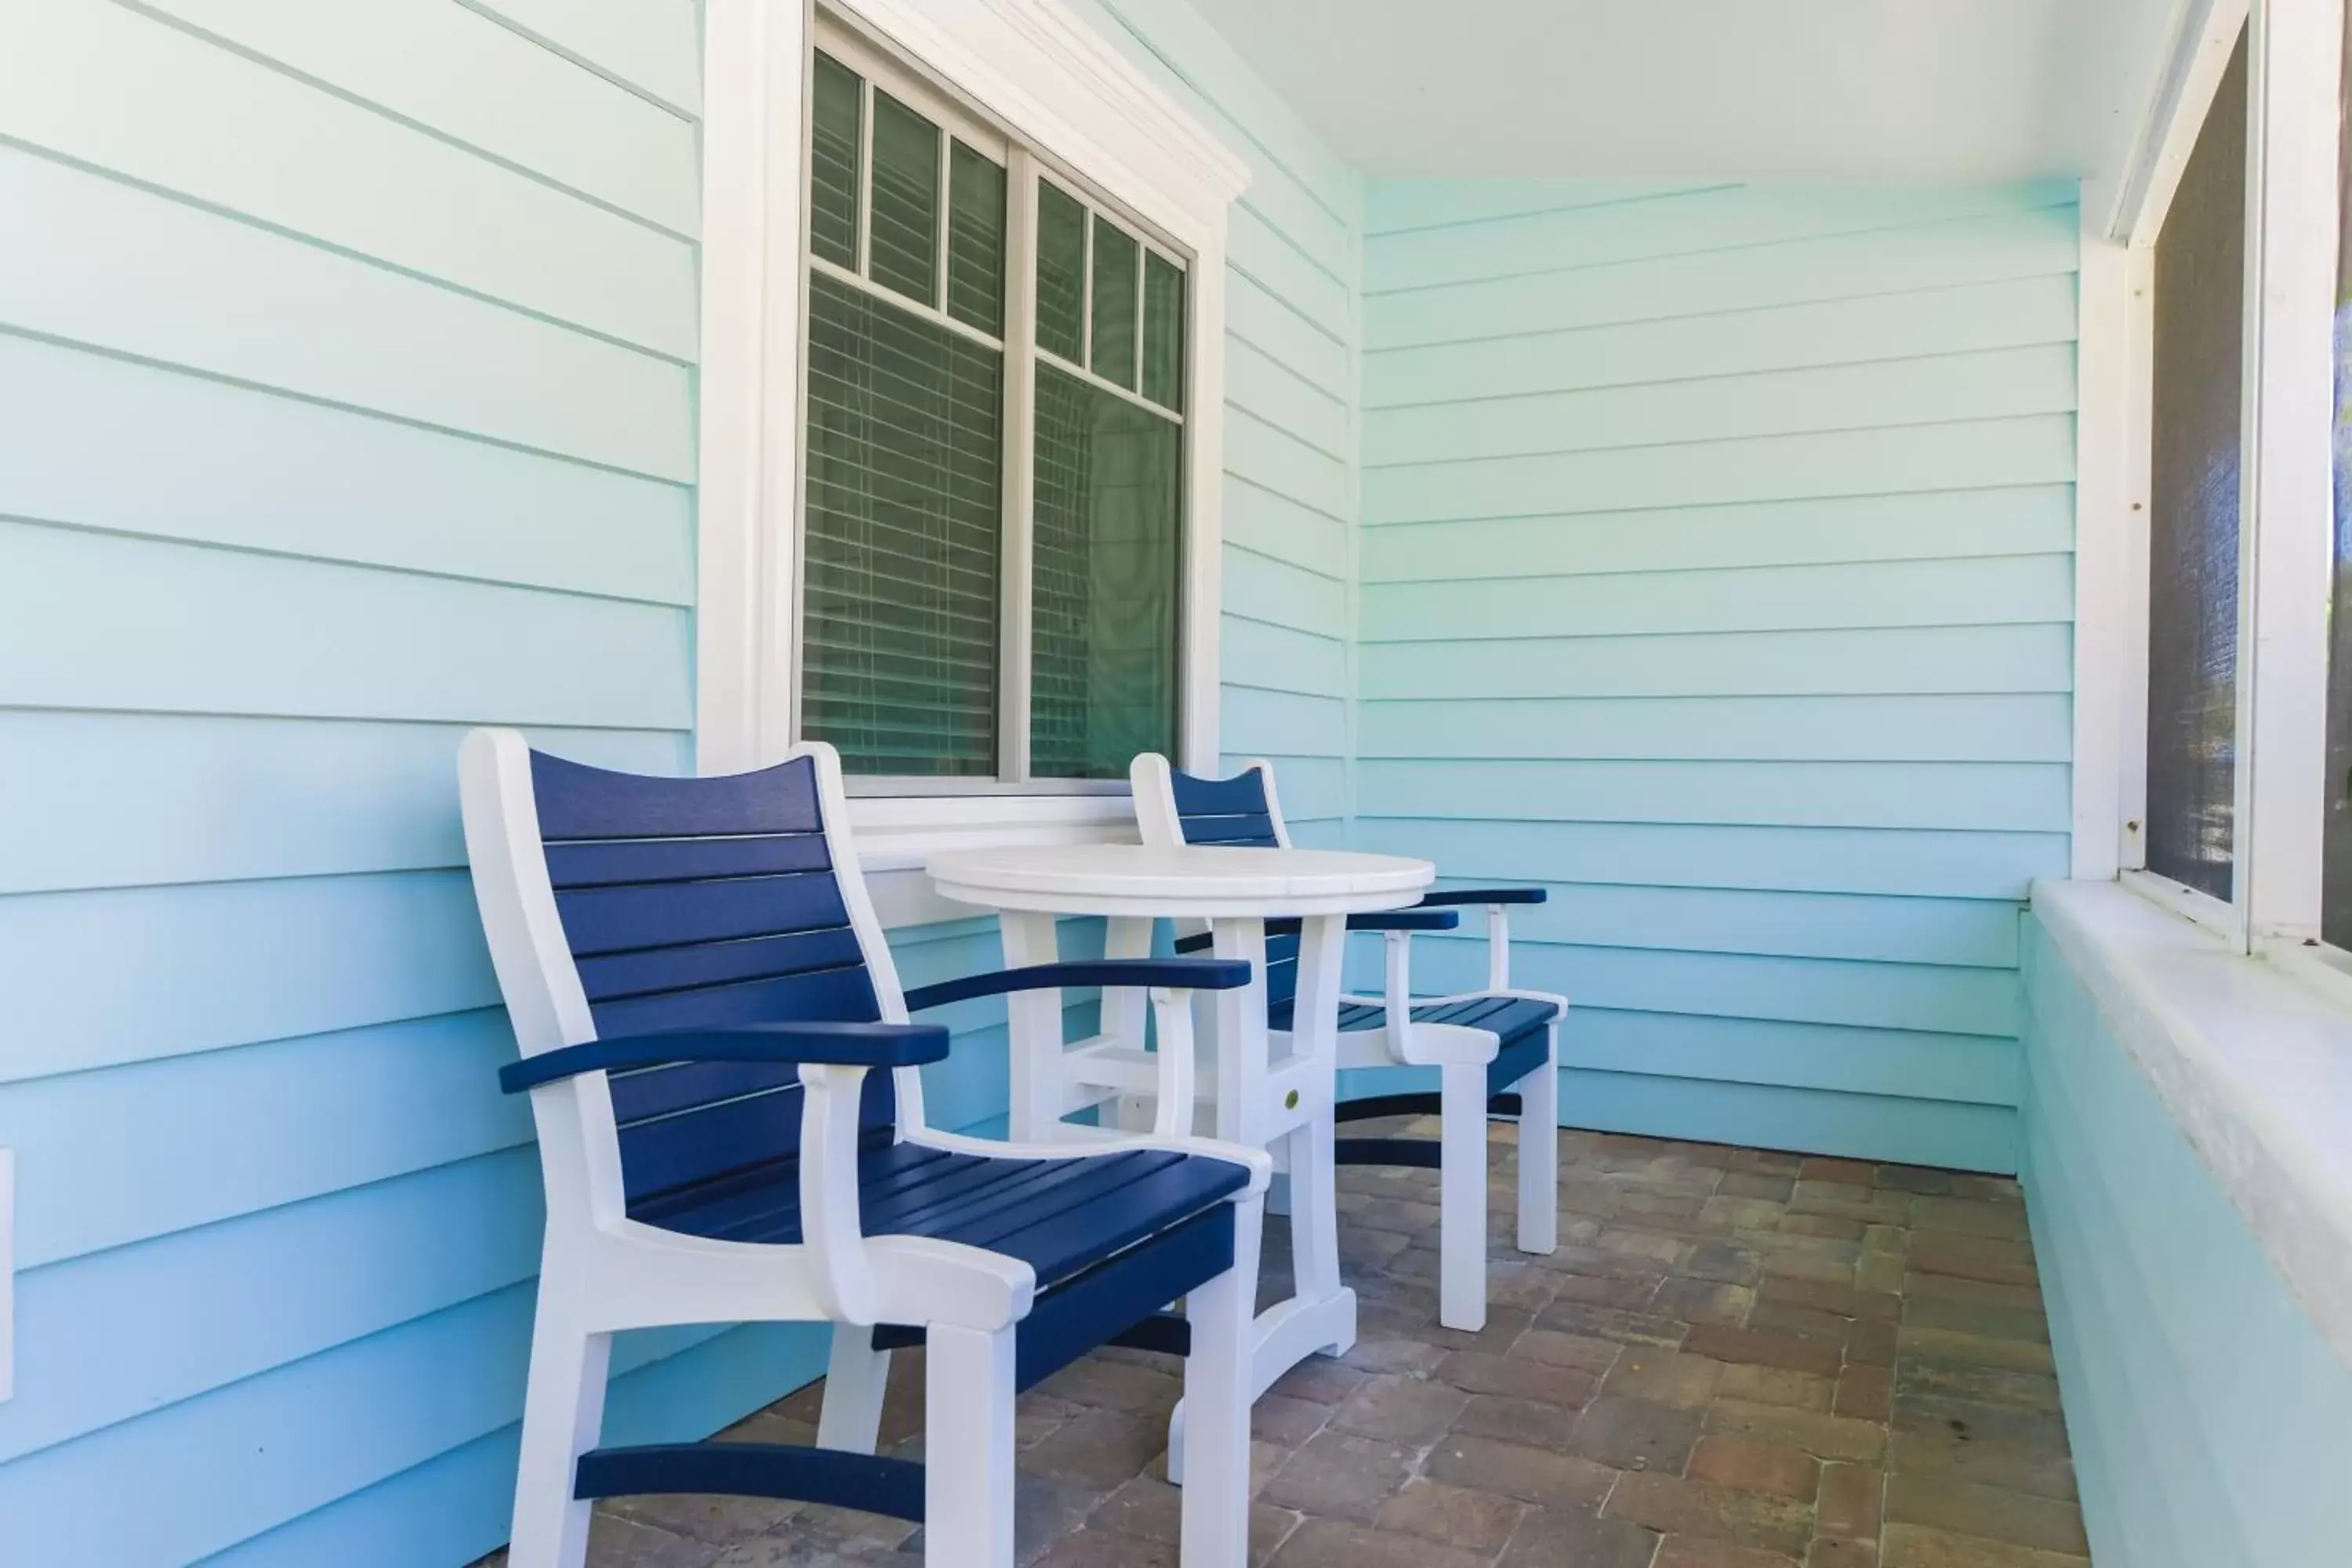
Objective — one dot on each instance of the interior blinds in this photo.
(1107, 553)
(2199, 289)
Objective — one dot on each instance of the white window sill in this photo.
(896, 833)
(2253, 1058)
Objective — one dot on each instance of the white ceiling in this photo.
(1803, 89)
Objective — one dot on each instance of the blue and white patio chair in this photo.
(701, 994)
(1484, 1044)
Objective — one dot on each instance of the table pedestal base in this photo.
(1287, 1333)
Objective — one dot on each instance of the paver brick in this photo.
(1823, 1437)
(1666, 1377)
(1674, 1505)
(1848, 1504)
(1412, 1411)
(1775, 1386)
(1636, 1433)
(1338, 1475)
(1994, 1513)
(1694, 1551)
(1666, 1392)
(1475, 1371)
(1552, 1538)
(1702, 1300)
(1526, 1421)
(1865, 1393)
(1474, 1520)
(1763, 1347)
(1513, 1470)
(1912, 1546)
(1751, 1465)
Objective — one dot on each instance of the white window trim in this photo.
(2285, 515)
(1058, 86)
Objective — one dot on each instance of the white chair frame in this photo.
(602, 1271)
(1461, 1056)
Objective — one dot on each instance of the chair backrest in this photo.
(1172, 806)
(677, 903)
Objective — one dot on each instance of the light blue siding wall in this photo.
(2208, 1418)
(1289, 502)
(346, 400)
(1715, 571)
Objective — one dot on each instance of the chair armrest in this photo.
(837, 1045)
(1437, 897)
(1173, 973)
(1419, 919)
(1381, 919)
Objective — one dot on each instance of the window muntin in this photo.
(2195, 442)
(912, 622)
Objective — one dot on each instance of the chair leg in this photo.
(851, 1417)
(1217, 1386)
(1540, 1153)
(1462, 1197)
(968, 1392)
(563, 1411)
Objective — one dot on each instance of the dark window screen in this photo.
(2336, 917)
(2192, 611)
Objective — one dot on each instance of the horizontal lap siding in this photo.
(1717, 573)
(345, 402)
(1292, 335)
(2205, 1410)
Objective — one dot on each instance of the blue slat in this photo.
(1120, 1295)
(1059, 1215)
(658, 1157)
(1053, 1188)
(827, 996)
(1240, 796)
(1119, 1215)
(657, 915)
(605, 862)
(580, 802)
(866, 1483)
(1517, 1059)
(1254, 831)
(717, 963)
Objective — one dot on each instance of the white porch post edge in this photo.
(747, 386)
(2106, 507)
(2286, 522)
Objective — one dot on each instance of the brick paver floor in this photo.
(1738, 1358)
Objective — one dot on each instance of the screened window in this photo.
(992, 536)
(2195, 445)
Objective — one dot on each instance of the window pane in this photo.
(1061, 273)
(2193, 504)
(906, 201)
(1115, 255)
(1163, 332)
(975, 239)
(832, 163)
(899, 635)
(1106, 563)
(2335, 916)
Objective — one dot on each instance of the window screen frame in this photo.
(2285, 513)
(884, 70)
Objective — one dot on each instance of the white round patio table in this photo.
(1261, 1103)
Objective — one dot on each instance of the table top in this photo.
(1202, 881)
